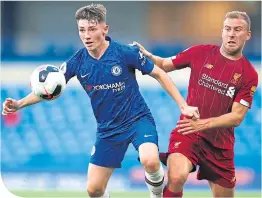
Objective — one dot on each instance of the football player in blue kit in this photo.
(106, 71)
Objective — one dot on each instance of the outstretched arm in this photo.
(10, 105)
(165, 64)
(181, 60)
(170, 87)
(232, 119)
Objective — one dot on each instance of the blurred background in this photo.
(48, 146)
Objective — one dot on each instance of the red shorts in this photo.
(215, 164)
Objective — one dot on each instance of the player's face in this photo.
(234, 35)
(92, 33)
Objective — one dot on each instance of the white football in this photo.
(47, 82)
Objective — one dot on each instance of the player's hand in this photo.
(188, 126)
(191, 112)
(9, 106)
(142, 49)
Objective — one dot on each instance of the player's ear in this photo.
(248, 36)
(106, 28)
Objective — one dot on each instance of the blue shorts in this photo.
(109, 152)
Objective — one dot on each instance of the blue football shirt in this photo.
(111, 84)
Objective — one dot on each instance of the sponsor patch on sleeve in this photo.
(245, 103)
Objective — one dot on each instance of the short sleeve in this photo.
(247, 90)
(66, 68)
(69, 67)
(137, 60)
(184, 59)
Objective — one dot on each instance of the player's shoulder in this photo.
(77, 55)
(249, 68)
(125, 48)
(72, 60)
(248, 64)
(75, 58)
(211, 48)
(203, 48)
(208, 50)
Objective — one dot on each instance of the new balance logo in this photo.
(208, 66)
(231, 92)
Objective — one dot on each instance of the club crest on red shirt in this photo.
(236, 78)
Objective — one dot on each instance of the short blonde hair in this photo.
(237, 15)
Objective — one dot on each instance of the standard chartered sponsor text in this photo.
(213, 84)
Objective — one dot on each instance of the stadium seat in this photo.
(48, 131)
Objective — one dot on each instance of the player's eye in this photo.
(238, 29)
(92, 30)
(82, 30)
(227, 28)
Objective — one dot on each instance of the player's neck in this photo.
(100, 50)
(231, 57)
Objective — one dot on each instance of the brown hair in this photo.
(237, 15)
(92, 12)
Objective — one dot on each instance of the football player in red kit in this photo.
(222, 84)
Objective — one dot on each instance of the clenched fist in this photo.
(9, 106)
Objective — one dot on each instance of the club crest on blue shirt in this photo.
(116, 70)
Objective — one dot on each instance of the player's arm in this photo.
(229, 120)
(242, 103)
(232, 119)
(137, 60)
(165, 64)
(170, 87)
(10, 105)
(68, 68)
(181, 60)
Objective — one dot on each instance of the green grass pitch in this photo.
(130, 194)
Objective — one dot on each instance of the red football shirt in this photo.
(215, 83)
